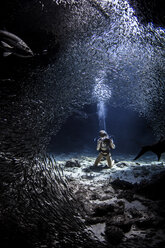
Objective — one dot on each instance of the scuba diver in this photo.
(104, 144)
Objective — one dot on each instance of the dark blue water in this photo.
(79, 135)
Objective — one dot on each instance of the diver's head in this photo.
(102, 133)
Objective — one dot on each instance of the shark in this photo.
(157, 148)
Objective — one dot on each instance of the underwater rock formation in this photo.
(123, 213)
(72, 164)
(154, 188)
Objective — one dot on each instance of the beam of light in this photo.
(102, 93)
(101, 111)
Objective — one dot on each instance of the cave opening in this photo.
(79, 133)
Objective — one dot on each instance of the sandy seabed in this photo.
(123, 205)
(81, 167)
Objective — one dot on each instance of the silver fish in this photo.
(12, 44)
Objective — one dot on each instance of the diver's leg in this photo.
(99, 157)
(109, 160)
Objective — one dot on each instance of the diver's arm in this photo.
(112, 145)
(98, 145)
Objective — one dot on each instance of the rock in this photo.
(137, 163)
(142, 171)
(127, 194)
(94, 196)
(120, 184)
(119, 207)
(94, 220)
(105, 197)
(89, 177)
(108, 189)
(148, 220)
(114, 235)
(135, 213)
(99, 229)
(102, 210)
(72, 163)
(153, 188)
(144, 222)
(94, 168)
(121, 165)
(121, 221)
(160, 208)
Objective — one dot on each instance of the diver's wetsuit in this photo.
(104, 148)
